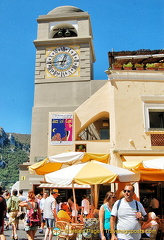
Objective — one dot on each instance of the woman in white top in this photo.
(150, 226)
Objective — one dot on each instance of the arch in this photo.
(66, 30)
(95, 122)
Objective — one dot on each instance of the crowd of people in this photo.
(46, 207)
(119, 219)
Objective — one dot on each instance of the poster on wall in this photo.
(61, 129)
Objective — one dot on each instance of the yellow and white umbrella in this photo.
(92, 173)
(62, 160)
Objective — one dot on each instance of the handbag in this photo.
(21, 215)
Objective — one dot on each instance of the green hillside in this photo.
(12, 156)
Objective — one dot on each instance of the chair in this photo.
(66, 230)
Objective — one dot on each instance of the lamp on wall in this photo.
(105, 123)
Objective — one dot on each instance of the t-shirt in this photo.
(154, 226)
(49, 206)
(22, 198)
(128, 226)
(42, 202)
(85, 204)
(63, 215)
(107, 215)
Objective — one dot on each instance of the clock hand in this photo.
(64, 59)
(58, 61)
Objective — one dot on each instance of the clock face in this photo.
(62, 62)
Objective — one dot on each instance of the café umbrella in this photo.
(91, 173)
(62, 160)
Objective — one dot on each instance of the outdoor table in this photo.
(77, 228)
(91, 228)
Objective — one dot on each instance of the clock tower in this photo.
(63, 71)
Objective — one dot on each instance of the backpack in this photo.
(14, 205)
(33, 215)
(119, 202)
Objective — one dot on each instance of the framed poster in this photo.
(62, 129)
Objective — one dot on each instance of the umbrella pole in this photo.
(74, 200)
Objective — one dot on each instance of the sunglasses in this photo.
(126, 191)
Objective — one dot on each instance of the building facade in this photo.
(122, 116)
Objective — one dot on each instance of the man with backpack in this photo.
(125, 216)
(13, 208)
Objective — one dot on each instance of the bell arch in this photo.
(63, 30)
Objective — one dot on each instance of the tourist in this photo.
(3, 209)
(125, 216)
(31, 203)
(105, 214)
(50, 213)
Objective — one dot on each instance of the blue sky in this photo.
(119, 25)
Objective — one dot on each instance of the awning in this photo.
(52, 185)
(151, 169)
(139, 158)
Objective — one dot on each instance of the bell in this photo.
(60, 33)
(67, 33)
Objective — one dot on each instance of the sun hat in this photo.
(56, 191)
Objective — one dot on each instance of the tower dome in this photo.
(64, 10)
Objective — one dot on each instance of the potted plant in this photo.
(139, 66)
(150, 66)
(127, 66)
(117, 66)
(81, 148)
(161, 67)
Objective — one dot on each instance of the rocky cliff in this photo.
(14, 150)
(14, 139)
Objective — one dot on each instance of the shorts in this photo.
(28, 228)
(74, 213)
(13, 217)
(50, 222)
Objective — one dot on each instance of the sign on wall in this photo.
(61, 129)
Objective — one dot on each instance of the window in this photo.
(154, 117)
(100, 129)
(104, 133)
